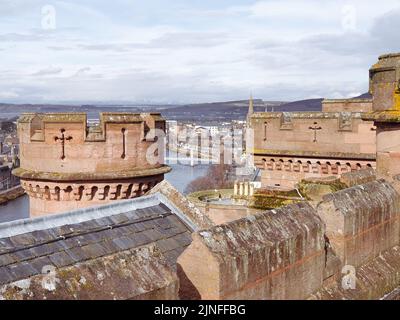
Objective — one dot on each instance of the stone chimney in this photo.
(385, 88)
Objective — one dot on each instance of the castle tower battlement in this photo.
(385, 88)
(68, 164)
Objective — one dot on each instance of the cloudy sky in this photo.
(191, 50)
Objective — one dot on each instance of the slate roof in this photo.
(62, 240)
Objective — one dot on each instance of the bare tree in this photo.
(216, 177)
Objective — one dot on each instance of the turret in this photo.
(66, 164)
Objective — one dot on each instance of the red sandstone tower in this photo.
(66, 164)
(385, 88)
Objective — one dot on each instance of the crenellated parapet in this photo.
(120, 140)
(64, 159)
(291, 146)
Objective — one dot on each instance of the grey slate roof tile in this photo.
(119, 218)
(94, 250)
(109, 246)
(184, 238)
(167, 244)
(22, 240)
(22, 270)
(6, 259)
(5, 275)
(5, 244)
(25, 254)
(42, 250)
(87, 240)
(104, 221)
(61, 259)
(42, 235)
(115, 233)
(153, 234)
(123, 243)
(140, 226)
(39, 263)
(131, 215)
(140, 239)
(163, 223)
(76, 254)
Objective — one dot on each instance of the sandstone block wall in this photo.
(347, 105)
(67, 164)
(339, 134)
(362, 221)
(288, 149)
(278, 254)
(287, 171)
(120, 142)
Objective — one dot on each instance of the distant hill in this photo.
(309, 104)
(366, 95)
(214, 112)
(301, 105)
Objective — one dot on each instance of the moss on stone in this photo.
(314, 189)
(263, 202)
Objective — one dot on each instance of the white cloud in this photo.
(48, 71)
(182, 52)
(8, 95)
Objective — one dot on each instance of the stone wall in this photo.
(67, 164)
(278, 254)
(299, 251)
(347, 105)
(287, 171)
(293, 146)
(354, 178)
(188, 208)
(120, 142)
(362, 221)
(338, 134)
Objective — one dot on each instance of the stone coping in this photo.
(389, 55)
(347, 100)
(80, 117)
(305, 115)
(382, 116)
(89, 176)
(314, 154)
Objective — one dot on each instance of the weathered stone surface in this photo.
(374, 280)
(11, 194)
(361, 221)
(358, 177)
(347, 105)
(278, 254)
(293, 146)
(75, 239)
(182, 203)
(66, 164)
(385, 87)
(315, 188)
(140, 273)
